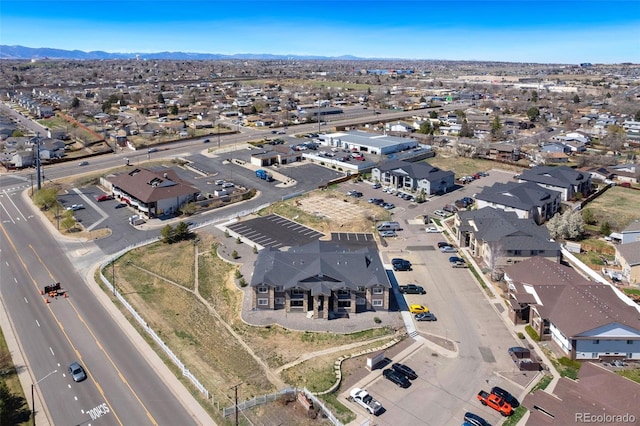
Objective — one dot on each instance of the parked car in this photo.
(104, 197)
(376, 186)
(120, 205)
(388, 234)
(83, 163)
(228, 185)
(402, 266)
(443, 244)
(418, 309)
(397, 378)
(456, 259)
(426, 316)
(399, 260)
(407, 371)
(75, 207)
(510, 399)
(432, 230)
(77, 372)
(448, 249)
(475, 420)
(441, 213)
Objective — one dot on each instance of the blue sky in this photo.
(516, 31)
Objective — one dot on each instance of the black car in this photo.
(407, 371)
(442, 244)
(512, 400)
(402, 266)
(397, 378)
(398, 260)
(475, 420)
(120, 205)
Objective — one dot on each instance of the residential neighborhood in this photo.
(264, 228)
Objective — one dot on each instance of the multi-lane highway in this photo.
(122, 386)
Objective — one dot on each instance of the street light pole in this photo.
(33, 406)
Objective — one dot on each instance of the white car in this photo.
(432, 230)
(441, 213)
(388, 234)
(75, 207)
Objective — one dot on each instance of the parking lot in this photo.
(275, 231)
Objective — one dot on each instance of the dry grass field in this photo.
(200, 319)
(618, 206)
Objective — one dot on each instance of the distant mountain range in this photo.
(21, 52)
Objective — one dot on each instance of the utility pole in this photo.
(235, 388)
(39, 180)
(113, 275)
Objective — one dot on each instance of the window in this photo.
(344, 292)
(280, 288)
(263, 289)
(629, 342)
(263, 302)
(297, 291)
(361, 301)
(596, 342)
(296, 303)
(345, 304)
(378, 290)
(279, 300)
(361, 288)
(377, 302)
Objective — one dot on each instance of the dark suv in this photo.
(405, 370)
(397, 378)
(404, 265)
(506, 396)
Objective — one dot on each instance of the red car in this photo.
(104, 197)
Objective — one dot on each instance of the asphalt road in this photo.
(122, 387)
(447, 386)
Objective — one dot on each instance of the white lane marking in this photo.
(37, 323)
(51, 351)
(25, 300)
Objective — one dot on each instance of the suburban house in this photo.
(414, 177)
(627, 172)
(503, 151)
(501, 238)
(585, 319)
(564, 179)
(326, 278)
(583, 400)
(152, 193)
(628, 256)
(599, 173)
(527, 200)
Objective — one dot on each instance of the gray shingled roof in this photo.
(320, 266)
(630, 252)
(521, 196)
(558, 176)
(571, 302)
(584, 395)
(513, 233)
(149, 186)
(421, 170)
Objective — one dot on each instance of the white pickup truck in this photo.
(368, 402)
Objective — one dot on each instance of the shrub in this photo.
(377, 320)
(242, 282)
(238, 240)
(255, 250)
(234, 254)
(238, 273)
(520, 335)
(532, 333)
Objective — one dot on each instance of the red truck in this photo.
(494, 401)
